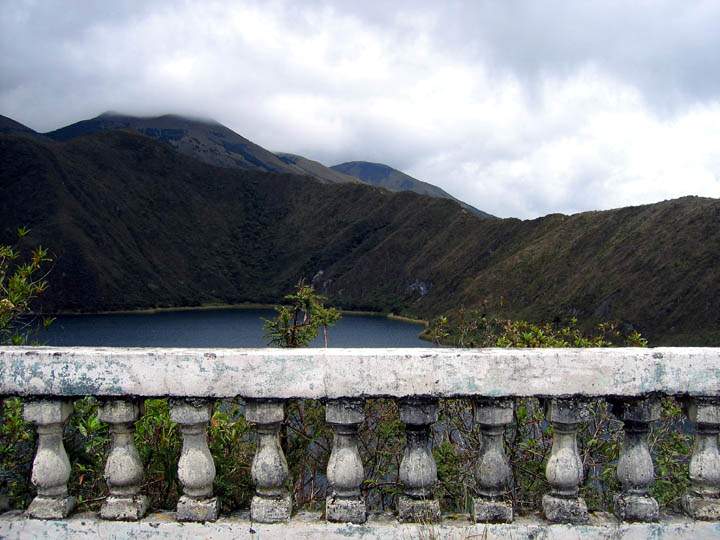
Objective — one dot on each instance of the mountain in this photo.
(386, 177)
(315, 169)
(206, 140)
(215, 144)
(10, 126)
(132, 223)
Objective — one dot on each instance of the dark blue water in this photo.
(216, 328)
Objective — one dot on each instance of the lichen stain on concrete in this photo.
(351, 531)
(83, 385)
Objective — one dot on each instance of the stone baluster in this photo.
(564, 470)
(196, 467)
(4, 499)
(344, 502)
(123, 468)
(493, 468)
(703, 498)
(51, 467)
(418, 472)
(635, 467)
(272, 502)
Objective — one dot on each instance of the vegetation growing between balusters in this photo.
(307, 439)
(23, 277)
(529, 438)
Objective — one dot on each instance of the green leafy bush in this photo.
(298, 323)
(22, 279)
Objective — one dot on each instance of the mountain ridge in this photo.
(135, 224)
(315, 168)
(8, 126)
(212, 142)
(206, 140)
(381, 175)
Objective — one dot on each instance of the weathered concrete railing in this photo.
(632, 379)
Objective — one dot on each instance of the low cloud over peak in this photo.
(518, 108)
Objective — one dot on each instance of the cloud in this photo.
(519, 108)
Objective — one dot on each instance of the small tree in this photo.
(22, 279)
(20, 283)
(299, 322)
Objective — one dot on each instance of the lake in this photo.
(217, 328)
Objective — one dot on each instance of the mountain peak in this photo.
(211, 142)
(381, 175)
(115, 115)
(8, 125)
(315, 169)
(203, 139)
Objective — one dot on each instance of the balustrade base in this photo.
(310, 526)
(271, 510)
(705, 508)
(51, 508)
(559, 510)
(417, 510)
(189, 509)
(490, 511)
(341, 510)
(124, 508)
(636, 508)
(4, 502)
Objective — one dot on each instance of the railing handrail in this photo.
(339, 373)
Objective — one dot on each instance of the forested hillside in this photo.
(133, 223)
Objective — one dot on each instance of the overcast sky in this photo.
(519, 108)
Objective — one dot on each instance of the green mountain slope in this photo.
(133, 224)
(316, 169)
(215, 144)
(380, 175)
(206, 140)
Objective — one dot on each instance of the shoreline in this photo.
(247, 305)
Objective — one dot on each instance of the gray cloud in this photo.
(520, 108)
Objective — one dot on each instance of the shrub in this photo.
(529, 439)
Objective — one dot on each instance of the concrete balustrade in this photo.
(494, 476)
(418, 473)
(635, 469)
(564, 470)
(703, 499)
(632, 380)
(4, 477)
(272, 502)
(344, 502)
(123, 468)
(51, 466)
(196, 467)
